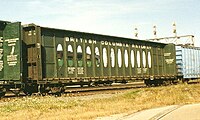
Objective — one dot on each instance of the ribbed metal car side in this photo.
(188, 62)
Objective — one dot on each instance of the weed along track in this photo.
(99, 104)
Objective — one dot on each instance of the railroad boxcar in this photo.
(41, 59)
(188, 64)
(10, 57)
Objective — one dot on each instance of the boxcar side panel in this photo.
(150, 62)
(98, 59)
(133, 60)
(90, 57)
(155, 62)
(138, 61)
(113, 61)
(80, 58)
(84, 56)
(59, 58)
(120, 61)
(127, 60)
(48, 53)
(170, 60)
(105, 58)
(12, 51)
(188, 61)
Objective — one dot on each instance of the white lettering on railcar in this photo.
(1, 53)
(71, 39)
(1, 65)
(76, 39)
(67, 39)
(12, 63)
(12, 59)
(12, 40)
(90, 41)
(81, 40)
(169, 61)
(71, 70)
(139, 70)
(167, 54)
(12, 44)
(144, 70)
(106, 42)
(143, 47)
(80, 70)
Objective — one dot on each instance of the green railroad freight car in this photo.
(10, 57)
(56, 58)
(41, 59)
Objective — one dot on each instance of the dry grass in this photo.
(66, 108)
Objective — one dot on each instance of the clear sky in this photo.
(110, 17)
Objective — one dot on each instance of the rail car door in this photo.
(32, 52)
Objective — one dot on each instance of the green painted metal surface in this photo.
(32, 58)
(170, 60)
(11, 52)
(68, 54)
(54, 53)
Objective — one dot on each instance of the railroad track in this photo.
(102, 88)
(79, 91)
(85, 90)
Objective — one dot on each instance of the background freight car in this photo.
(188, 62)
